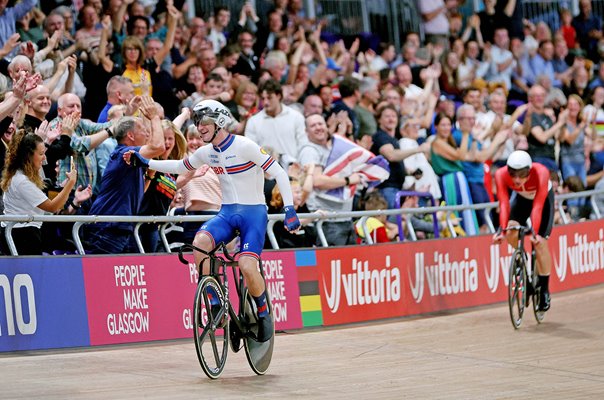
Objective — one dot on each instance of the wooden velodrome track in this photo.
(474, 354)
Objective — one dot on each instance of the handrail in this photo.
(80, 220)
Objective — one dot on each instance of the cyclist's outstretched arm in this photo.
(180, 166)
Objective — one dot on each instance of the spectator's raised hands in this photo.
(354, 47)
(106, 23)
(82, 194)
(72, 62)
(474, 21)
(11, 43)
(133, 105)
(42, 130)
(20, 86)
(53, 40)
(148, 108)
(27, 49)
(69, 123)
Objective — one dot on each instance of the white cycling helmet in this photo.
(212, 110)
(519, 160)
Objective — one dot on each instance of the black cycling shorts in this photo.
(521, 208)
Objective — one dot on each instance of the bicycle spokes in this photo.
(517, 290)
(211, 332)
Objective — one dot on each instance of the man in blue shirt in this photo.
(10, 15)
(122, 186)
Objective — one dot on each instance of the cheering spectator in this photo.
(385, 142)
(540, 129)
(122, 186)
(277, 126)
(160, 188)
(23, 190)
(86, 136)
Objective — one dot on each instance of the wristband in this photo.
(71, 203)
(109, 132)
(347, 180)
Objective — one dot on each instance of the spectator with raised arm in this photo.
(122, 187)
(23, 191)
(386, 143)
(540, 129)
(10, 15)
(86, 136)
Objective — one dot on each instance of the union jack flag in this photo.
(346, 158)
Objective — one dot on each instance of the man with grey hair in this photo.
(123, 185)
(86, 136)
(365, 111)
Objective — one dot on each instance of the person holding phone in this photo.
(23, 191)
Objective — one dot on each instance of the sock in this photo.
(261, 304)
(544, 282)
(213, 296)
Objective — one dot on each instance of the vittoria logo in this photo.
(444, 277)
(363, 285)
(583, 256)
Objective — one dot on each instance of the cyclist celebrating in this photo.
(533, 197)
(240, 165)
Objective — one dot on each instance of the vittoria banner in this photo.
(53, 302)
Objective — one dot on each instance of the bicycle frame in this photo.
(530, 277)
(522, 232)
(218, 267)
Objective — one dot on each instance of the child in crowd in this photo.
(380, 230)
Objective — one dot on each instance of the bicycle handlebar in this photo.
(211, 253)
(524, 229)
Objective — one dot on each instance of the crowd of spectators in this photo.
(91, 79)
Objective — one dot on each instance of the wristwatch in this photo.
(347, 180)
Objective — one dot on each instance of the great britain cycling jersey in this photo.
(240, 165)
(536, 190)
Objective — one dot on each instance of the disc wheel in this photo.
(517, 289)
(258, 354)
(211, 330)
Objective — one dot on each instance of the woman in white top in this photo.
(23, 195)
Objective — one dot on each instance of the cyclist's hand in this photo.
(536, 239)
(498, 237)
(135, 159)
(291, 222)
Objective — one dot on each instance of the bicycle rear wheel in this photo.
(517, 288)
(258, 355)
(211, 330)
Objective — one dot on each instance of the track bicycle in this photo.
(218, 323)
(522, 282)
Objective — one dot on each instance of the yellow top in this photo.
(141, 80)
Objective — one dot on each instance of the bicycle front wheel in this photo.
(536, 293)
(517, 288)
(258, 354)
(211, 330)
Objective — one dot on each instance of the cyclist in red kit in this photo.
(532, 197)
